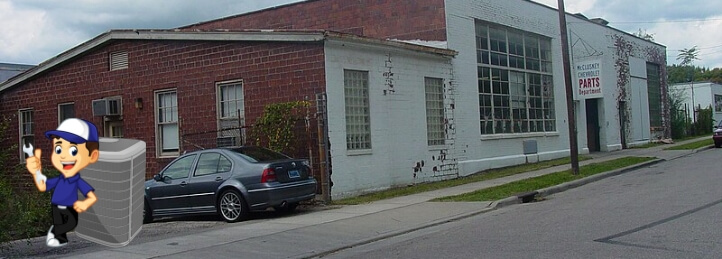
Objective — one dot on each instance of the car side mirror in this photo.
(157, 178)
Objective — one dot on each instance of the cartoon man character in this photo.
(75, 146)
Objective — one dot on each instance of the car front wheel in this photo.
(147, 213)
(231, 206)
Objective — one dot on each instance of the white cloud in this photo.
(36, 30)
(703, 34)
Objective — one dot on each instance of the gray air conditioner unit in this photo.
(107, 107)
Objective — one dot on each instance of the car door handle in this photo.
(183, 183)
(219, 178)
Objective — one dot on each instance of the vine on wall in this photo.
(623, 51)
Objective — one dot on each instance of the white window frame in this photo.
(61, 116)
(114, 129)
(435, 119)
(25, 130)
(168, 110)
(225, 101)
(357, 107)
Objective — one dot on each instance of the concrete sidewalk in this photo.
(323, 232)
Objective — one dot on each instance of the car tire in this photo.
(290, 208)
(717, 145)
(147, 213)
(231, 206)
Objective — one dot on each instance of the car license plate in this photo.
(293, 174)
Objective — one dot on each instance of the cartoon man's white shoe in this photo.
(51, 241)
(50, 235)
(55, 243)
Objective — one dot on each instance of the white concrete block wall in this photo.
(490, 151)
(398, 120)
(704, 93)
(716, 89)
(594, 41)
(590, 42)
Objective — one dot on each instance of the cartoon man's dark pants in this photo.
(64, 220)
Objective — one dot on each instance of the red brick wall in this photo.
(272, 72)
(398, 19)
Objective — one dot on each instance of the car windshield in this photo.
(257, 154)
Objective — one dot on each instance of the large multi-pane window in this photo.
(167, 122)
(231, 112)
(515, 81)
(358, 118)
(25, 121)
(434, 111)
(654, 95)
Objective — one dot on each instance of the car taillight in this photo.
(268, 175)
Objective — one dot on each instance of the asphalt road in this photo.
(669, 210)
(158, 230)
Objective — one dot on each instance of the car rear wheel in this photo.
(231, 206)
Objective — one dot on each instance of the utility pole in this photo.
(573, 148)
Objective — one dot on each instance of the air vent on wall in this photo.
(118, 60)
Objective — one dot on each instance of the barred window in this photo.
(435, 111)
(231, 113)
(515, 81)
(25, 119)
(358, 124)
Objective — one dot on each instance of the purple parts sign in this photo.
(589, 83)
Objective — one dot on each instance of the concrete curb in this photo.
(593, 178)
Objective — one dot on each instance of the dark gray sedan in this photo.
(229, 182)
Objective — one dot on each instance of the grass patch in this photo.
(532, 184)
(693, 145)
(480, 176)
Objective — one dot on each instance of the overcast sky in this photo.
(33, 31)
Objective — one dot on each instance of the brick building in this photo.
(414, 91)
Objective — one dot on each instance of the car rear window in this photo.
(256, 154)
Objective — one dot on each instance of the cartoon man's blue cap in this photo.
(76, 131)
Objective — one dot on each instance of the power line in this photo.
(673, 21)
(697, 48)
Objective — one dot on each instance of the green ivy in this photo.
(275, 126)
(24, 212)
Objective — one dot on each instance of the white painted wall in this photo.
(398, 120)
(704, 93)
(589, 41)
(484, 152)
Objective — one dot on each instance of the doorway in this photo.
(592, 125)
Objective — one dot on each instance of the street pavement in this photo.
(326, 231)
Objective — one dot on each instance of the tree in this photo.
(687, 56)
(644, 35)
